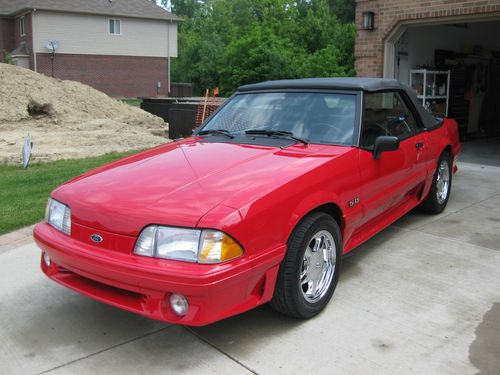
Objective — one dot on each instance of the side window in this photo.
(385, 113)
(115, 27)
(22, 28)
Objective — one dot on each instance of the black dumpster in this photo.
(182, 114)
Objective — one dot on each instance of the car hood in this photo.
(178, 183)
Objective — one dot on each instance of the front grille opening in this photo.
(103, 292)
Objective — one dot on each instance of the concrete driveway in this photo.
(422, 297)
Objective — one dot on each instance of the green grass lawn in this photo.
(132, 102)
(24, 192)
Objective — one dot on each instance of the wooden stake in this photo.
(204, 107)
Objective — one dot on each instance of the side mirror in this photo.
(385, 143)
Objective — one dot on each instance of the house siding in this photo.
(119, 76)
(369, 48)
(89, 35)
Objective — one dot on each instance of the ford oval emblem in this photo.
(96, 238)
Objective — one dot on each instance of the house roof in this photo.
(124, 8)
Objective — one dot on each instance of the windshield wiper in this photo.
(277, 133)
(225, 132)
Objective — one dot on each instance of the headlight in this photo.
(190, 245)
(58, 215)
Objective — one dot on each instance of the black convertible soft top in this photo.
(347, 83)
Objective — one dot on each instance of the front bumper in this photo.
(144, 285)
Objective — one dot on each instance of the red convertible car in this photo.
(258, 206)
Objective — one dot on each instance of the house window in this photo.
(21, 26)
(115, 27)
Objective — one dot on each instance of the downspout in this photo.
(168, 57)
(33, 38)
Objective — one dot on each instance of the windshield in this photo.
(317, 117)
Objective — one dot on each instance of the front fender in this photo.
(267, 221)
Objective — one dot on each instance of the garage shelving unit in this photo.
(433, 89)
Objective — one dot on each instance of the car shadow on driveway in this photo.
(263, 322)
(72, 320)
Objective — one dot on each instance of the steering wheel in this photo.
(397, 123)
(384, 129)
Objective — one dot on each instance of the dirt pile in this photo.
(67, 119)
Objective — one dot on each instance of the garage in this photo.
(459, 65)
(455, 69)
(448, 53)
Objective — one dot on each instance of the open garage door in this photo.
(470, 52)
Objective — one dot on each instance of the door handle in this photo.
(419, 145)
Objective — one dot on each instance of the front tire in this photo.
(440, 190)
(310, 271)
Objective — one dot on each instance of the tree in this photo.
(343, 9)
(183, 8)
(227, 43)
(258, 56)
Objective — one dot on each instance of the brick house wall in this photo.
(6, 32)
(127, 76)
(369, 47)
(27, 38)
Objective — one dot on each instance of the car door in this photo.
(387, 182)
(423, 146)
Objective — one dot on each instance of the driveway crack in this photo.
(105, 349)
(201, 338)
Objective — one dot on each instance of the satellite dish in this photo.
(52, 45)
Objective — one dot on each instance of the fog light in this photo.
(46, 259)
(179, 304)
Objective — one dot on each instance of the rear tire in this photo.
(440, 190)
(310, 270)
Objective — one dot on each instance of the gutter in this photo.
(33, 38)
(168, 57)
(173, 18)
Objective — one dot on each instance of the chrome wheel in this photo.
(318, 266)
(310, 270)
(443, 182)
